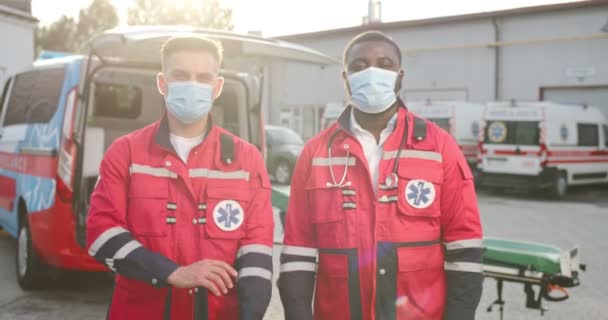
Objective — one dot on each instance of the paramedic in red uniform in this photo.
(182, 209)
(385, 201)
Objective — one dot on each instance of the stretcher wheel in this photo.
(555, 298)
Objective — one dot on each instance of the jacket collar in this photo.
(344, 120)
(162, 137)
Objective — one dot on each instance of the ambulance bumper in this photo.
(528, 182)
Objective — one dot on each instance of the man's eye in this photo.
(357, 68)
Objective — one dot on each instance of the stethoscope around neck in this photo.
(391, 180)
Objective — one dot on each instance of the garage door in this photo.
(595, 96)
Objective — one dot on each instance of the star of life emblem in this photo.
(228, 215)
(497, 132)
(420, 193)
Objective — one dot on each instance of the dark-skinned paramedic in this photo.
(181, 211)
(385, 200)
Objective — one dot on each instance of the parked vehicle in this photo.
(59, 116)
(283, 147)
(461, 119)
(543, 145)
(331, 113)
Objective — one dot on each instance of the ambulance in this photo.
(461, 119)
(59, 116)
(543, 145)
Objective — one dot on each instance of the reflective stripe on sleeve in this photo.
(104, 237)
(152, 171)
(463, 267)
(254, 248)
(300, 251)
(463, 244)
(416, 154)
(126, 249)
(215, 174)
(255, 272)
(298, 266)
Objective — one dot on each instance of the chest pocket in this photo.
(333, 212)
(419, 190)
(227, 211)
(328, 203)
(147, 206)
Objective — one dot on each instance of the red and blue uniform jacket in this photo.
(151, 213)
(410, 250)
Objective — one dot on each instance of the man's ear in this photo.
(161, 84)
(399, 81)
(219, 86)
(346, 84)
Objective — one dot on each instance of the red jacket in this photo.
(411, 251)
(150, 213)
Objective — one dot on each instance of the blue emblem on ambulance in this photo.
(475, 128)
(497, 132)
(228, 215)
(563, 132)
(420, 193)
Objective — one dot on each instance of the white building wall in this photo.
(17, 38)
(548, 61)
(456, 60)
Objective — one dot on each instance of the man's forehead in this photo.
(191, 59)
(372, 50)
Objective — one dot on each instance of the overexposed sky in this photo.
(281, 17)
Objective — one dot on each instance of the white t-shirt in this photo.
(373, 150)
(184, 145)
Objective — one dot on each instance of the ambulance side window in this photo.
(117, 101)
(35, 96)
(606, 136)
(588, 135)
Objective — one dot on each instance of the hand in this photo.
(211, 274)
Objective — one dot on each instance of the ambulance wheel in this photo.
(283, 171)
(31, 271)
(559, 187)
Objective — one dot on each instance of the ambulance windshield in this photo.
(526, 133)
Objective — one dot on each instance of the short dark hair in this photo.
(369, 36)
(192, 43)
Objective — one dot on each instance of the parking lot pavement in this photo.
(579, 220)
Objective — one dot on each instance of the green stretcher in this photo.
(539, 267)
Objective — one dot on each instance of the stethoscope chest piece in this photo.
(391, 180)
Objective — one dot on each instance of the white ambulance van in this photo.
(543, 145)
(459, 118)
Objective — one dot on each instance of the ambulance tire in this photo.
(31, 272)
(559, 187)
(283, 171)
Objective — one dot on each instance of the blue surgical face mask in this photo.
(373, 89)
(189, 101)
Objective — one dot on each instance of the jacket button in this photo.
(154, 281)
(382, 271)
(384, 198)
(168, 163)
(194, 221)
(190, 292)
